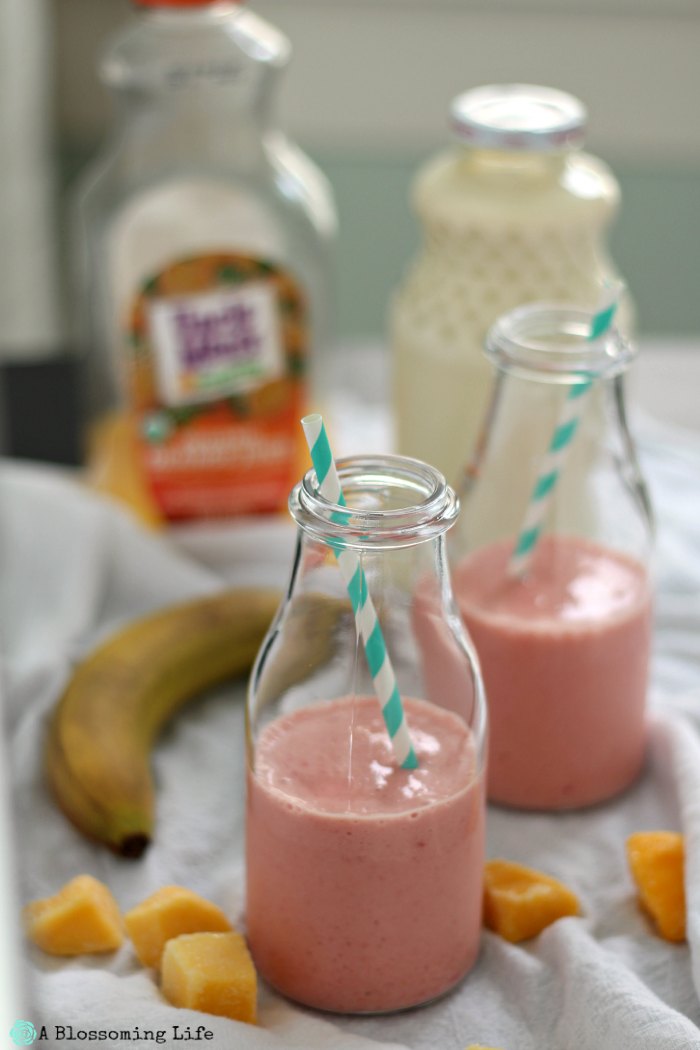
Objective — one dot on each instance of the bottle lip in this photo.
(518, 117)
(548, 341)
(429, 507)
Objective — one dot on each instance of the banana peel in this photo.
(119, 698)
(106, 723)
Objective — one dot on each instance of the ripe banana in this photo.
(106, 721)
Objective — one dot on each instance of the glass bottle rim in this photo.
(430, 509)
(549, 342)
(519, 117)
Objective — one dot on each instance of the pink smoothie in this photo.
(564, 654)
(364, 880)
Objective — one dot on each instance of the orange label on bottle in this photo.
(217, 379)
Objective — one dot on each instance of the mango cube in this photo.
(520, 902)
(656, 859)
(211, 972)
(170, 912)
(82, 917)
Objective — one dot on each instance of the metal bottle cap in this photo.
(518, 117)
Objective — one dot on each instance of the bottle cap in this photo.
(174, 3)
(518, 117)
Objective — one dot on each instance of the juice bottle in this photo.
(205, 238)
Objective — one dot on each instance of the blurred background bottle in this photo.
(204, 255)
(514, 213)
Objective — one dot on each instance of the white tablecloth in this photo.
(75, 567)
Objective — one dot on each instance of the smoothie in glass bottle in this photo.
(365, 878)
(564, 645)
(565, 656)
(330, 810)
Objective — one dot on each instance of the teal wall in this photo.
(655, 242)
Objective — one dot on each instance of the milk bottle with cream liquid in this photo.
(514, 211)
(205, 254)
(550, 564)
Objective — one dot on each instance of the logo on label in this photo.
(208, 346)
(23, 1033)
(157, 427)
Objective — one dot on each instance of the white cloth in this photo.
(74, 567)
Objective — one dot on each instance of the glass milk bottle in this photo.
(205, 241)
(563, 632)
(513, 213)
(364, 879)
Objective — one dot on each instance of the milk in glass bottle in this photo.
(514, 212)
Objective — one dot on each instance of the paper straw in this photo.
(368, 625)
(559, 446)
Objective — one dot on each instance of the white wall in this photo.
(392, 64)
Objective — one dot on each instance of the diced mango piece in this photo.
(170, 912)
(83, 917)
(519, 901)
(656, 859)
(211, 972)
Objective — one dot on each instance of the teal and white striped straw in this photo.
(380, 665)
(559, 446)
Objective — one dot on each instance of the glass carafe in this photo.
(564, 638)
(364, 878)
(515, 211)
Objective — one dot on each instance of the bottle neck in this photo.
(194, 90)
(390, 502)
(197, 113)
(555, 435)
(221, 59)
(154, 140)
(491, 164)
(550, 343)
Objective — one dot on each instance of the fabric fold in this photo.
(74, 567)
